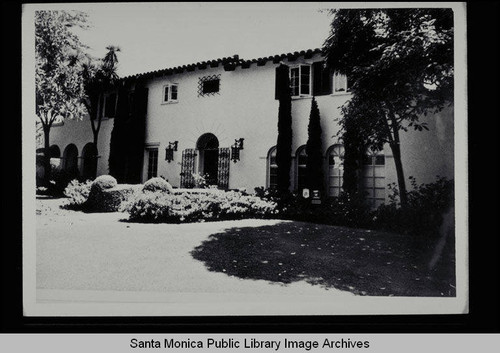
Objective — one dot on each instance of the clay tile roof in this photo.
(232, 61)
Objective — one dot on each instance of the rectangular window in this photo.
(300, 80)
(295, 81)
(374, 179)
(173, 94)
(170, 93)
(211, 86)
(305, 78)
(152, 163)
(340, 83)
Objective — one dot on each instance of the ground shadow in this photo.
(360, 261)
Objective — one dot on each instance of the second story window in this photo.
(208, 85)
(340, 83)
(300, 80)
(170, 93)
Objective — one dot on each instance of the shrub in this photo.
(345, 210)
(200, 181)
(77, 192)
(104, 182)
(60, 179)
(423, 215)
(191, 207)
(157, 184)
(109, 200)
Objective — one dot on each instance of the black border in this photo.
(483, 81)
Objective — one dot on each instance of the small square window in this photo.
(170, 93)
(211, 86)
(208, 85)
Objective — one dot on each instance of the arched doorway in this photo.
(55, 152)
(55, 156)
(208, 147)
(89, 155)
(70, 157)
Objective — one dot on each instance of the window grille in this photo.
(208, 85)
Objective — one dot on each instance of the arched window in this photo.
(301, 161)
(71, 159)
(335, 169)
(272, 167)
(374, 178)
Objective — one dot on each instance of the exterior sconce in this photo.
(169, 151)
(235, 149)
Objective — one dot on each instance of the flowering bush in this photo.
(191, 207)
(157, 184)
(77, 192)
(104, 182)
(200, 181)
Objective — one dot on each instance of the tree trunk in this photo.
(396, 152)
(95, 133)
(46, 155)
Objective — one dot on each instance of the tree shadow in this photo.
(361, 261)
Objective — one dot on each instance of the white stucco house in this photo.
(195, 113)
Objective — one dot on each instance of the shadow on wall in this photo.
(360, 261)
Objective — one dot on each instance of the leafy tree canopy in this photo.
(57, 77)
(399, 62)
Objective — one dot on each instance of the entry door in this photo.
(210, 160)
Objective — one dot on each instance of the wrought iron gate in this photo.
(187, 168)
(223, 168)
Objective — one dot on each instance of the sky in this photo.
(155, 36)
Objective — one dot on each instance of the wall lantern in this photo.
(235, 149)
(169, 151)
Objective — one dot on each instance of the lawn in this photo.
(101, 251)
(360, 261)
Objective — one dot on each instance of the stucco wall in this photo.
(79, 133)
(246, 108)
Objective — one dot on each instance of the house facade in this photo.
(219, 119)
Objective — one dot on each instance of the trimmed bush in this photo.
(104, 182)
(157, 184)
(109, 200)
(77, 193)
(192, 207)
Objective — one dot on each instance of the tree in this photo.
(97, 79)
(314, 163)
(58, 82)
(284, 143)
(128, 134)
(400, 66)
